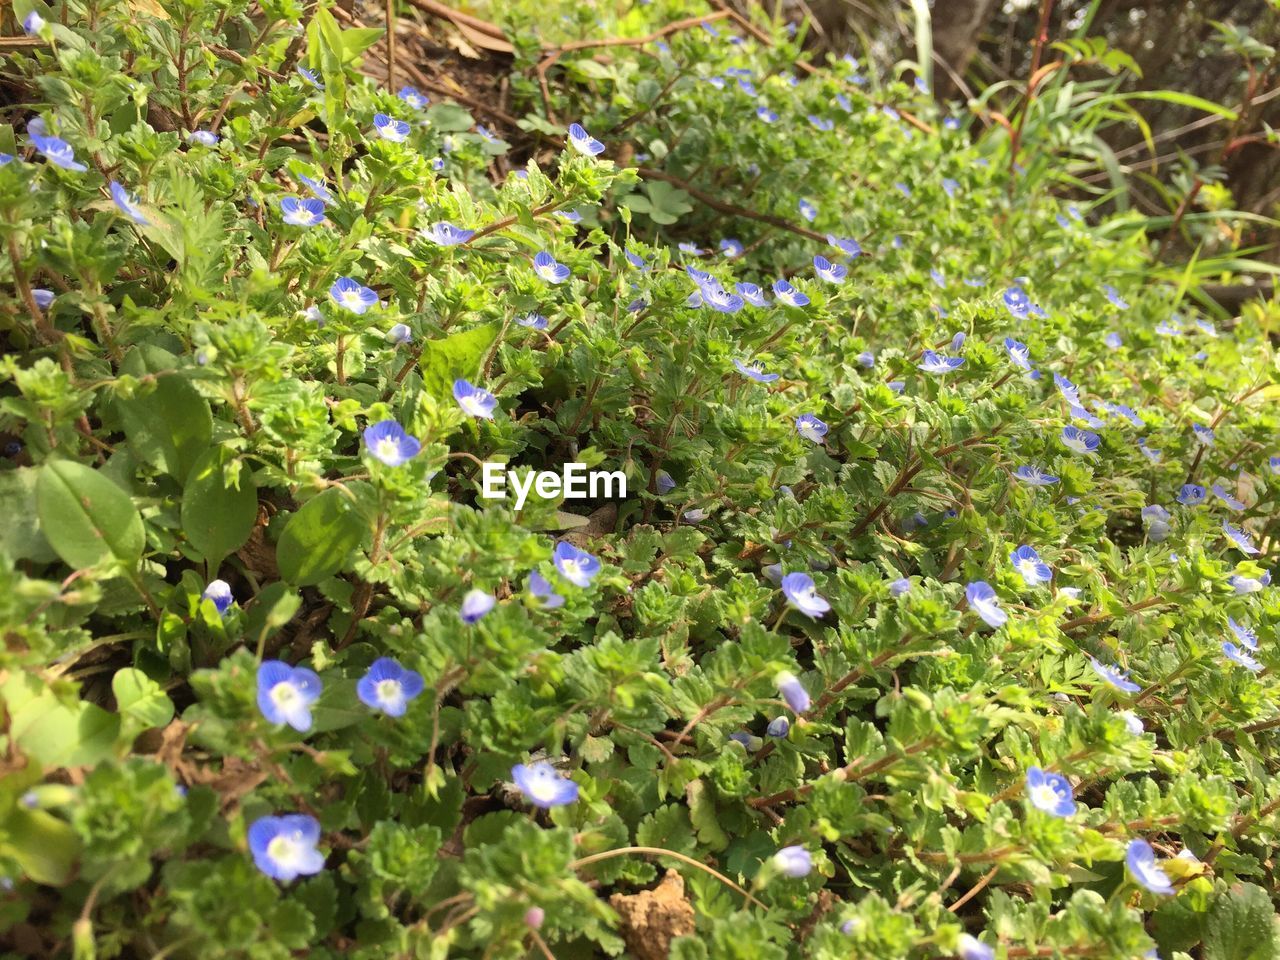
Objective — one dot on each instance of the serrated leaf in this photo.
(456, 357)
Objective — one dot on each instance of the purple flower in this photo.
(476, 604)
(984, 602)
(301, 213)
(1156, 519)
(1080, 441)
(753, 295)
(1050, 792)
(810, 427)
(413, 98)
(546, 267)
(789, 294)
(1203, 434)
(219, 592)
(206, 138)
(389, 128)
(128, 205)
(1113, 295)
(1028, 563)
(285, 693)
(389, 687)
(284, 848)
(542, 591)
(474, 401)
(583, 142)
(1221, 493)
(1245, 585)
(900, 586)
(1241, 539)
(792, 691)
(317, 188)
(778, 727)
(1114, 676)
(1237, 655)
(388, 443)
(1141, 861)
(828, 271)
(58, 152)
(576, 566)
(400, 333)
(1191, 495)
(846, 245)
(1246, 636)
(534, 321)
(543, 786)
(808, 210)
(1069, 390)
(765, 114)
(444, 234)
(754, 370)
(794, 862)
(43, 298)
(351, 295)
(801, 593)
(1018, 353)
(311, 77)
(1034, 476)
(32, 24)
(937, 363)
(971, 948)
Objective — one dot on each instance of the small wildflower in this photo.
(205, 138)
(285, 693)
(284, 848)
(1050, 792)
(778, 727)
(1236, 655)
(802, 594)
(543, 786)
(1034, 476)
(351, 295)
(1080, 441)
(754, 370)
(808, 210)
(444, 234)
(576, 566)
(810, 427)
(793, 691)
(1203, 434)
(546, 267)
(219, 592)
(58, 152)
(583, 142)
(1114, 676)
(984, 602)
(1141, 861)
(1241, 539)
(32, 24)
(1191, 495)
(413, 98)
(1245, 635)
(542, 591)
(388, 443)
(971, 948)
(751, 294)
(789, 294)
(301, 213)
(391, 129)
(1221, 493)
(828, 271)
(794, 862)
(1028, 563)
(939, 364)
(476, 604)
(474, 401)
(387, 686)
(128, 205)
(1156, 519)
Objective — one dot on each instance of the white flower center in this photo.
(388, 449)
(284, 695)
(388, 691)
(286, 851)
(1044, 796)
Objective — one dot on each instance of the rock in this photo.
(651, 919)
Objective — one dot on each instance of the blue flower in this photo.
(789, 294)
(1113, 295)
(1080, 413)
(749, 742)
(1033, 475)
(1166, 329)
(301, 213)
(950, 186)
(1016, 302)
(444, 234)
(983, 601)
(717, 298)
(810, 427)
(753, 295)
(389, 687)
(1220, 492)
(951, 123)
(546, 267)
(1018, 353)
(1241, 539)
(1028, 563)
(828, 271)
(778, 727)
(218, 591)
(284, 848)
(389, 128)
(820, 123)
(476, 604)
(42, 297)
(413, 98)
(937, 363)
(1113, 340)
(765, 114)
(285, 693)
(576, 566)
(311, 77)
(388, 443)
(971, 948)
(1236, 655)
(1156, 519)
(351, 295)
(900, 586)
(794, 862)
(808, 210)
(1274, 464)
(474, 401)
(635, 260)
(58, 152)
(792, 690)
(1191, 495)
(32, 24)
(1068, 389)
(543, 786)
(1243, 585)
(534, 321)
(206, 138)
(1050, 792)
(317, 188)
(664, 482)
(867, 359)
(128, 205)
(583, 142)
(1246, 636)
(400, 333)
(542, 591)
(801, 593)
(846, 245)
(1141, 861)
(1114, 676)
(1079, 441)
(1149, 452)
(754, 370)
(1203, 434)
(903, 189)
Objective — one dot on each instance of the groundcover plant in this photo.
(936, 621)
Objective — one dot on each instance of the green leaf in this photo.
(168, 423)
(87, 518)
(357, 40)
(55, 733)
(216, 518)
(141, 699)
(20, 535)
(44, 846)
(320, 538)
(455, 357)
(663, 203)
(1241, 926)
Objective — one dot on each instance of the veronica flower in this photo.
(583, 142)
(43, 298)
(1244, 585)
(808, 210)
(1166, 329)
(1080, 413)
(801, 593)
(778, 727)
(1027, 562)
(32, 24)
(1236, 655)
(731, 247)
(476, 604)
(793, 691)
(284, 848)
(846, 245)
(576, 566)
(938, 277)
(58, 152)
(285, 693)
(445, 234)
(1079, 441)
(389, 128)
(789, 294)
(828, 271)
(1133, 722)
(1150, 453)
(750, 742)
(983, 601)
(1191, 495)
(754, 370)
(1068, 389)
(971, 948)
(474, 401)
(752, 294)
(1016, 302)
(351, 295)
(867, 359)
(1018, 353)
(1225, 497)
(937, 363)
(387, 686)
(317, 188)
(543, 592)
(1114, 676)
(1156, 519)
(1274, 464)
(413, 98)
(1141, 861)
(1050, 792)
(1241, 539)
(903, 189)
(400, 334)
(810, 427)
(388, 443)
(717, 298)
(794, 862)
(716, 81)
(1203, 434)
(301, 213)
(546, 267)
(219, 592)
(634, 259)
(951, 123)
(543, 786)
(311, 77)
(765, 114)
(822, 124)
(534, 321)
(1113, 340)
(1033, 475)
(898, 587)
(1246, 636)
(128, 205)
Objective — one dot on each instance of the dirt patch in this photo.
(651, 919)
